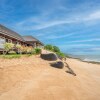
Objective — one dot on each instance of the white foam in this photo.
(92, 60)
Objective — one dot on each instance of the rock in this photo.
(58, 64)
(49, 56)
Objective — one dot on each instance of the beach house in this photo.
(30, 40)
(9, 36)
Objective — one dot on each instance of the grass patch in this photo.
(28, 55)
(10, 56)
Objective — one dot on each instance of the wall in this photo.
(2, 41)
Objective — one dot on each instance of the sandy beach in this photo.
(32, 78)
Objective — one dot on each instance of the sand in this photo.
(31, 78)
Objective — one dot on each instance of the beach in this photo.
(32, 78)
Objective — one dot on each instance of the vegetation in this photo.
(60, 54)
(55, 49)
(12, 52)
(19, 47)
(37, 51)
(10, 56)
(19, 51)
(48, 47)
(8, 47)
(29, 50)
(24, 50)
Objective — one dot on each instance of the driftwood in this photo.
(58, 64)
(49, 56)
(70, 70)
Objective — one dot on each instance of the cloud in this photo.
(88, 40)
(76, 45)
(60, 36)
(40, 34)
(93, 16)
(65, 20)
(44, 21)
(41, 25)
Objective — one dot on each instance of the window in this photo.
(9, 41)
(2, 41)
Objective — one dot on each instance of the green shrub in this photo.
(37, 51)
(60, 54)
(8, 46)
(24, 50)
(48, 47)
(19, 47)
(27, 50)
(12, 52)
(56, 49)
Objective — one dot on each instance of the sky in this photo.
(72, 25)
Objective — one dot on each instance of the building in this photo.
(7, 35)
(33, 41)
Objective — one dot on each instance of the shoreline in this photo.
(92, 62)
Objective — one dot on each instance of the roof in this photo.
(31, 39)
(5, 31)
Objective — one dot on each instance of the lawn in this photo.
(10, 56)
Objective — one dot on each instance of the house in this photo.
(8, 35)
(33, 41)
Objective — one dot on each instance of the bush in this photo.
(37, 51)
(61, 55)
(19, 47)
(56, 49)
(52, 48)
(8, 46)
(12, 52)
(29, 50)
(26, 50)
(48, 47)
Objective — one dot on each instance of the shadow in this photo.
(70, 71)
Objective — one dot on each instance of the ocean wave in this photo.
(91, 60)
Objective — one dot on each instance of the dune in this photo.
(32, 78)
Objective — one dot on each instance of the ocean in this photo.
(88, 58)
